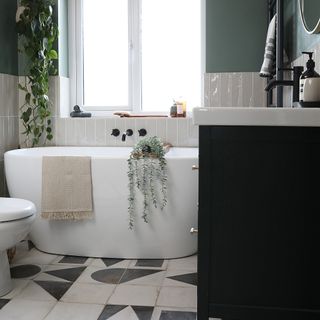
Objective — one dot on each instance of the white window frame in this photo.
(75, 9)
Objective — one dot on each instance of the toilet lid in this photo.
(14, 209)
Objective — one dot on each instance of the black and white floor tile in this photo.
(52, 287)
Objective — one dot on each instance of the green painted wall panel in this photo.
(8, 37)
(235, 35)
(297, 40)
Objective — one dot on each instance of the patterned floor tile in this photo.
(177, 315)
(155, 263)
(18, 309)
(56, 288)
(24, 271)
(188, 263)
(132, 274)
(178, 297)
(73, 260)
(154, 279)
(35, 292)
(70, 274)
(134, 295)
(18, 286)
(74, 311)
(111, 276)
(88, 293)
(110, 262)
(173, 311)
(180, 278)
(190, 278)
(125, 313)
(3, 302)
(110, 310)
(143, 312)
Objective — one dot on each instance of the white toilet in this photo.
(16, 217)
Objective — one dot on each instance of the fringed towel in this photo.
(268, 65)
(66, 188)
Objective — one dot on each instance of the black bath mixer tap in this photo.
(128, 133)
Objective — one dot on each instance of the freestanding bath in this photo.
(167, 235)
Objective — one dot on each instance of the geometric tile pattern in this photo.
(73, 260)
(24, 271)
(155, 263)
(69, 274)
(143, 313)
(3, 302)
(115, 276)
(178, 315)
(110, 262)
(190, 278)
(56, 288)
(110, 310)
(143, 289)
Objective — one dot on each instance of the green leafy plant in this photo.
(37, 33)
(146, 169)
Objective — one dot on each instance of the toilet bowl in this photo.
(16, 217)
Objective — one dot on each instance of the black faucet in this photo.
(128, 133)
(297, 71)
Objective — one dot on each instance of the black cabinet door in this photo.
(259, 223)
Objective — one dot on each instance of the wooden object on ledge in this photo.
(123, 114)
(167, 146)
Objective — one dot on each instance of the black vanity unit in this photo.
(259, 214)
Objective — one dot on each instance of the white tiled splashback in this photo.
(9, 137)
(236, 89)
(97, 131)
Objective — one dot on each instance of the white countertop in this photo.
(295, 117)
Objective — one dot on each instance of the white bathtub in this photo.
(167, 235)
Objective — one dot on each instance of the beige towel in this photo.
(66, 188)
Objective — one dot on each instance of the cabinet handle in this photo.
(193, 230)
(195, 167)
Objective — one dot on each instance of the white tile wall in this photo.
(237, 89)
(97, 131)
(9, 138)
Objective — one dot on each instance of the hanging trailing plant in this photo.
(147, 173)
(37, 32)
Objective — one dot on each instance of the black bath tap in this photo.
(128, 133)
(297, 71)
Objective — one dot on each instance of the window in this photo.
(135, 55)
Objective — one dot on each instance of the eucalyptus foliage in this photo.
(37, 32)
(147, 173)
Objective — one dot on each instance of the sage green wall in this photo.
(296, 39)
(8, 37)
(235, 35)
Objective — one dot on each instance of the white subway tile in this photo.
(100, 134)
(215, 90)
(226, 90)
(206, 88)
(236, 89)
(161, 128)
(183, 134)
(90, 125)
(247, 89)
(172, 131)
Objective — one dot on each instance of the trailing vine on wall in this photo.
(37, 33)
(147, 170)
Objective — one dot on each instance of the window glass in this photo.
(105, 53)
(171, 53)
